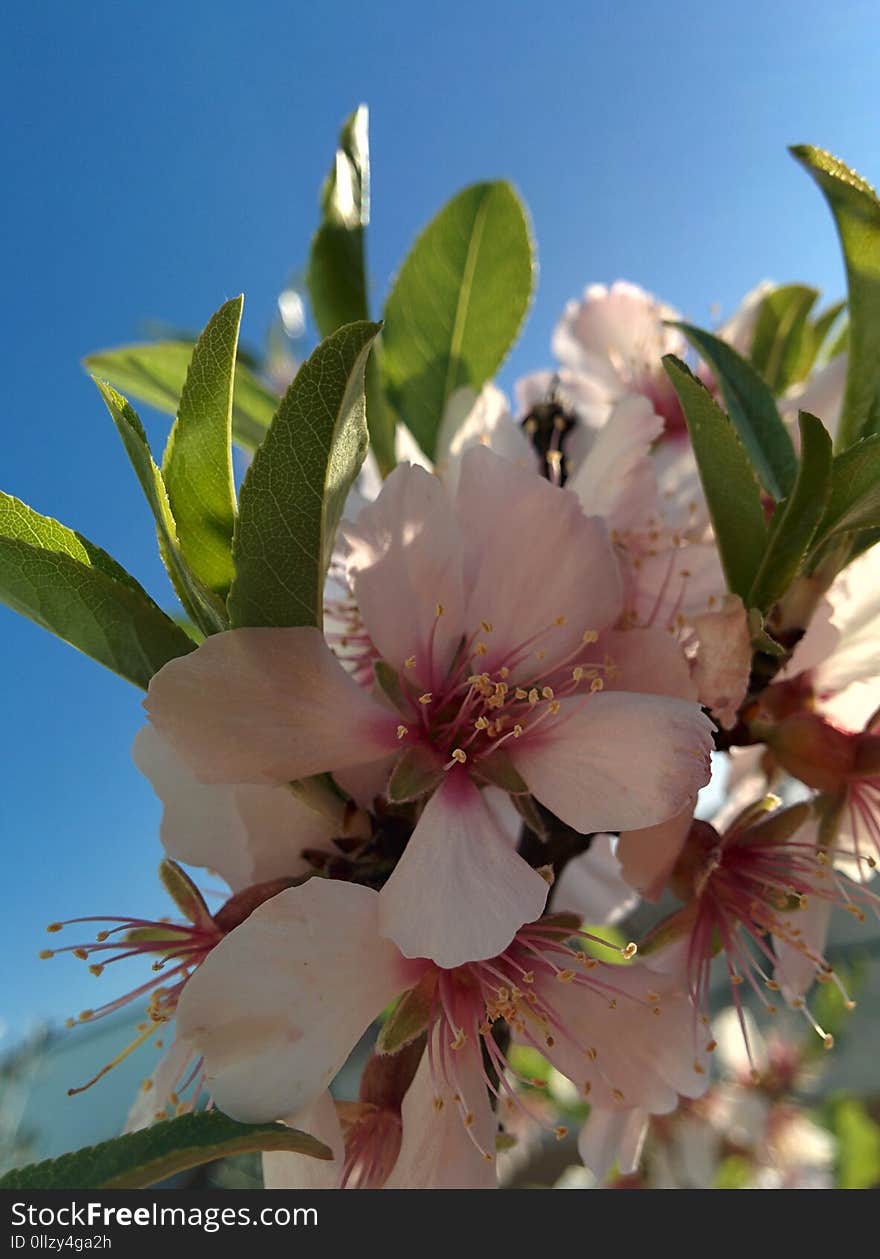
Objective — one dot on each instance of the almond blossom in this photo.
(493, 670)
(277, 1008)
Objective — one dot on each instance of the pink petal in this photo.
(592, 885)
(674, 584)
(459, 893)
(513, 522)
(266, 706)
(280, 1002)
(404, 561)
(793, 970)
(298, 1171)
(151, 1104)
(724, 660)
(483, 419)
(582, 765)
(612, 1137)
(616, 480)
(246, 834)
(647, 856)
(436, 1151)
(639, 1058)
(618, 332)
(649, 661)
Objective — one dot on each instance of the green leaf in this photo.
(337, 272)
(57, 578)
(457, 304)
(854, 501)
(752, 412)
(858, 1145)
(295, 489)
(155, 372)
(143, 1158)
(417, 772)
(732, 493)
(783, 346)
(201, 604)
(856, 210)
(197, 465)
(795, 520)
(409, 1018)
(822, 327)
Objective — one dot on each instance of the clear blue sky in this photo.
(160, 157)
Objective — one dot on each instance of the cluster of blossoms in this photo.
(500, 735)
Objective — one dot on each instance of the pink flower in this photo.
(277, 1008)
(617, 337)
(765, 882)
(487, 614)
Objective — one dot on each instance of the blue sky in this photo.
(165, 156)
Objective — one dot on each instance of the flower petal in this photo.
(404, 561)
(246, 834)
(648, 855)
(649, 661)
(581, 765)
(724, 660)
(279, 1003)
(593, 886)
(616, 480)
(154, 1097)
(613, 1136)
(436, 1151)
(266, 706)
(482, 419)
(513, 522)
(628, 1055)
(794, 970)
(460, 892)
(298, 1171)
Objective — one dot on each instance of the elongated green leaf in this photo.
(57, 578)
(337, 274)
(200, 603)
(854, 501)
(823, 325)
(153, 1154)
(155, 373)
(796, 520)
(732, 493)
(294, 492)
(457, 305)
(752, 411)
(197, 465)
(782, 348)
(856, 210)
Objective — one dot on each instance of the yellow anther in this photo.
(460, 756)
(402, 732)
(828, 1040)
(564, 976)
(55, 926)
(589, 636)
(86, 1015)
(560, 620)
(481, 649)
(587, 1089)
(547, 692)
(439, 610)
(45, 954)
(486, 627)
(711, 1046)
(577, 673)
(541, 655)
(592, 1054)
(561, 1132)
(504, 672)
(481, 723)
(81, 954)
(631, 950)
(102, 936)
(699, 1068)
(410, 662)
(96, 968)
(70, 1022)
(519, 693)
(553, 707)
(517, 730)
(426, 698)
(146, 1084)
(597, 684)
(618, 1095)
(533, 697)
